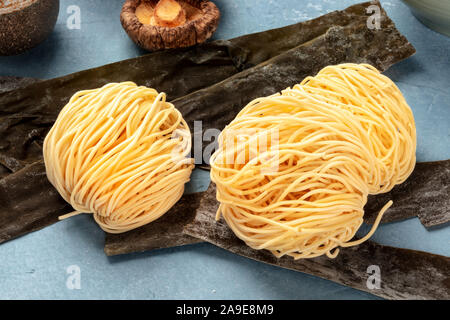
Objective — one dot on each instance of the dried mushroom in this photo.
(165, 24)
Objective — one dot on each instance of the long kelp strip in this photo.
(404, 274)
(10, 164)
(27, 114)
(425, 194)
(30, 206)
(217, 105)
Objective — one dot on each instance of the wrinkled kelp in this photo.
(425, 194)
(10, 164)
(405, 274)
(28, 206)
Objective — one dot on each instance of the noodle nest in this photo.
(120, 153)
(293, 170)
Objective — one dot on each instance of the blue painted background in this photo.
(34, 266)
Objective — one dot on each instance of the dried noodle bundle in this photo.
(293, 170)
(119, 152)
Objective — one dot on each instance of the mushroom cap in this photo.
(152, 38)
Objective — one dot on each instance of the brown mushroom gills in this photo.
(144, 13)
(166, 13)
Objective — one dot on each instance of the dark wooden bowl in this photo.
(25, 23)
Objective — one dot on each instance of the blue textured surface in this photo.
(34, 266)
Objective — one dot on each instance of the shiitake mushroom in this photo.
(165, 24)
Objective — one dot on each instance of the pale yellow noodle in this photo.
(341, 135)
(120, 153)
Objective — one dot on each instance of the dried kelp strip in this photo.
(162, 233)
(30, 206)
(276, 41)
(353, 43)
(425, 194)
(27, 114)
(405, 274)
(338, 44)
